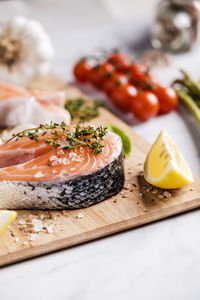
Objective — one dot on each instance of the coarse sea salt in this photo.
(54, 160)
(71, 154)
(39, 174)
(42, 217)
(54, 163)
(65, 161)
(72, 169)
(53, 157)
(37, 225)
(74, 157)
(21, 222)
(167, 194)
(32, 237)
(80, 216)
(49, 228)
(60, 152)
(31, 217)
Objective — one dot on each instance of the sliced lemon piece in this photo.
(165, 166)
(6, 218)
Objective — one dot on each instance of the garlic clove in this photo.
(17, 25)
(26, 69)
(33, 32)
(43, 68)
(44, 52)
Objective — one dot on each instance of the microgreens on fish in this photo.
(65, 136)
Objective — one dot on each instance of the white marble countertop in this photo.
(156, 261)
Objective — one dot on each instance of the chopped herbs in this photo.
(82, 109)
(65, 136)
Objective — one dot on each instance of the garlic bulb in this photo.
(25, 51)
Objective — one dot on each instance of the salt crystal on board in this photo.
(37, 225)
(80, 216)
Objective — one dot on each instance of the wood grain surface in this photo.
(137, 204)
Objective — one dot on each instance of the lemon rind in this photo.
(11, 219)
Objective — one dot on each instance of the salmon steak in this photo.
(54, 170)
(20, 106)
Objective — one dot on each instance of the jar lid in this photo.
(194, 3)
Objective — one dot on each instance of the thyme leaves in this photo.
(65, 136)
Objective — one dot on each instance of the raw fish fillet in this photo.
(21, 106)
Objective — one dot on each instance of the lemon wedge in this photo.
(6, 218)
(165, 166)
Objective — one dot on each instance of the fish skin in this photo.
(75, 193)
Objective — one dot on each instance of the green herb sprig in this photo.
(65, 136)
(82, 109)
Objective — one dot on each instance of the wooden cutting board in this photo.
(137, 204)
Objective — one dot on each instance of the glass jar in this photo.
(176, 25)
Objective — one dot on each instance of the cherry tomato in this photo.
(100, 72)
(122, 96)
(143, 81)
(167, 97)
(81, 71)
(115, 79)
(121, 61)
(145, 105)
(139, 76)
(138, 69)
